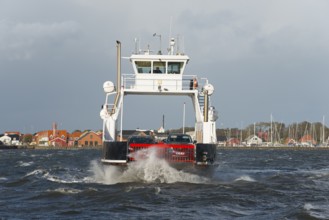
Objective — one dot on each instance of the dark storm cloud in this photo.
(262, 57)
(25, 41)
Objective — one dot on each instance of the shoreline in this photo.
(218, 147)
(272, 148)
(56, 148)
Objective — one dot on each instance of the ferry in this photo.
(161, 75)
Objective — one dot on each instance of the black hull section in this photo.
(115, 152)
(205, 154)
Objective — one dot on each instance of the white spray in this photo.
(147, 168)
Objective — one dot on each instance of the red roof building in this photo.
(308, 139)
(58, 142)
(46, 138)
(73, 138)
(90, 138)
(233, 142)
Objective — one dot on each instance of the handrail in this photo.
(131, 82)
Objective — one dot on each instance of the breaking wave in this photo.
(317, 211)
(245, 178)
(148, 169)
(66, 191)
(25, 164)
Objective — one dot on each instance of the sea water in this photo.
(248, 184)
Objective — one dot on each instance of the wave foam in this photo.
(64, 179)
(3, 179)
(66, 191)
(25, 164)
(317, 211)
(149, 169)
(245, 178)
(37, 172)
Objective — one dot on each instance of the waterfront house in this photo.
(50, 137)
(253, 140)
(290, 142)
(263, 135)
(161, 130)
(15, 137)
(90, 138)
(307, 141)
(233, 142)
(74, 137)
(221, 141)
(5, 139)
(58, 142)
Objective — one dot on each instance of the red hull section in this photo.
(173, 153)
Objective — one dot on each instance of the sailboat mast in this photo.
(271, 129)
(184, 119)
(323, 135)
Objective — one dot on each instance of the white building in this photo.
(5, 140)
(253, 140)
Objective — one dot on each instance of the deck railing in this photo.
(111, 108)
(130, 81)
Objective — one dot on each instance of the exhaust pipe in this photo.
(118, 87)
(206, 106)
(118, 66)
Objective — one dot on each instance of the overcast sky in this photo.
(263, 58)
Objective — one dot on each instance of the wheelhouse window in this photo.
(174, 67)
(143, 66)
(159, 67)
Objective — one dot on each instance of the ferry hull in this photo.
(115, 153)
(195, 158)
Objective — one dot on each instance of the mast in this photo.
(158, 35)
(271, 129)
(184, 119)
(241, 134)
(323, 134)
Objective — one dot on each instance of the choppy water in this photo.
(248, 184)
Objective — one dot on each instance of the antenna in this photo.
(136, 50)
(170, 28)
(178, 44)
(158, 35)
(139, 44)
